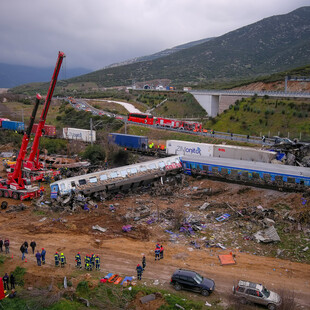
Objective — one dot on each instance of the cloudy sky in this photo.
(96, 33)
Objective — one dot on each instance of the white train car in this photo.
(198, 150)
(79, 134)
(243, 153)
(117, 179)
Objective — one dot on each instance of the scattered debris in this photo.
(97, 227)
(268, 235)
(127, 228)
(223, 217)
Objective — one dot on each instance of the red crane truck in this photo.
(16, 186)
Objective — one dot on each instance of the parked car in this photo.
(256, 293)
(192, 281)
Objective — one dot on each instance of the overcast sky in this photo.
(96, 33)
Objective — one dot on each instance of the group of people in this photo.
(39, 256)
(60, 260)
(90, 261)
(7, 280)
(159, 252)
(6, 244)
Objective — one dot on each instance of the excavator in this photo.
(17, 185)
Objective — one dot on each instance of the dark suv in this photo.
(192, 281)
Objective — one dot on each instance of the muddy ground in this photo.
(169, 206)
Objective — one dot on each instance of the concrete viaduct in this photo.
(210, 99)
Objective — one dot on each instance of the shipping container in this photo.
(129, 141)
(3, 119)
(12, 125)
(195, 149)
(243, 153)
(49, 130)
(79, 134)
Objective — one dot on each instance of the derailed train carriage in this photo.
(117, 179)
(248, 172)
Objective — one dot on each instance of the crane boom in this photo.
(30, 163)
(16, 175)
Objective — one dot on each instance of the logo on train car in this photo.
(187, 150)
(221, 150)
(75, 135)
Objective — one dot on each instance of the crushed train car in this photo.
(117, 179)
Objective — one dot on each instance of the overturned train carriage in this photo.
(247, 172)
(118, 179)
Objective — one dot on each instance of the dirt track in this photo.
(121, 252)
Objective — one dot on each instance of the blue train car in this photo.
(13, 125)
(129, 141)
(255, 173)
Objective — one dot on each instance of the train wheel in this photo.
(15, 196)
(6, 194)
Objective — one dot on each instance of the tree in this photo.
(94, 154)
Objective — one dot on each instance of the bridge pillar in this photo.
(209, 102)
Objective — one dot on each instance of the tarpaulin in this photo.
(227, 259)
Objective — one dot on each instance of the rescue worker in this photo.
(89, 263)
(5, 280)
(97, 261)
(143, 262)
(38, 257)
(92, 260)
(12, 281)
(139, 271)
(161, 252)
(78, 260)
(85, 261)
(62, 260)
(57, 258)
(157, 252)
(43, 256)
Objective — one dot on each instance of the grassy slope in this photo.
(259, 115)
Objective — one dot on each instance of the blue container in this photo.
(13, 125)
(130, 141)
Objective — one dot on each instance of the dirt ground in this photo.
(120, 252)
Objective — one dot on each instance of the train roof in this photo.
(251, 165)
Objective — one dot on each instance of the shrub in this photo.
(19, 273)
(82, 288)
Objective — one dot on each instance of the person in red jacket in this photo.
(161, 252)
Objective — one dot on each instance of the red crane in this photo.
(16, 186)
(32, 163)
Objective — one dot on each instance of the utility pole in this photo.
(91, 131)
(285, 87)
